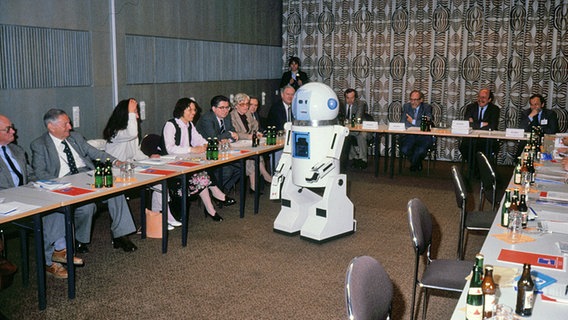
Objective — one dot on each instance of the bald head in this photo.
(7, 131)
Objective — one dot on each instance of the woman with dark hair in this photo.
(181, 137)
(122, 132)
(294, 77)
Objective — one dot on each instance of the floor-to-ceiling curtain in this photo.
(447, 49)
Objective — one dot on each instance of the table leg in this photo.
(184, 211)
(40, 262)
(256, 182)
(143, 213)
(243, 188)
(377, 141)
(70, 243)
(164, 216)
(392, 143)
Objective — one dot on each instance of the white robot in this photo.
(309, 166)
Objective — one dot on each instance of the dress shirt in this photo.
(125, 145)
(183, 147)
(63, 166)
(16, 164)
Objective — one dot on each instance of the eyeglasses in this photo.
(224, 108)
(7, 129)
(244, 104)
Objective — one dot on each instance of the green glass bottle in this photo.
(505, 209)
(107, 172)
(474, 301)
(98, 174)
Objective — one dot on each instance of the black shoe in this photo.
(228, 202)
(413, 168)
(362, 164)
(124, 243)
(81, 247)
(252, 191)
(216, 217)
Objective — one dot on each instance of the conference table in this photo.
(33, 202)
(391, 137)
(539, 248)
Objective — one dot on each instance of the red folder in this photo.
(183, 164)
(72, 191)
(535, 259)
(158, 171)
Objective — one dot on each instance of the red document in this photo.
(535, 259)
(183, 164)
(158, 171)
(72, 191)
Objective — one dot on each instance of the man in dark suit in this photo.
(294, 77)
(482, 115)
(15, 171)
(355, 145)
(415, 146)
(60, 152)
(281, 111)
(216, 123)
(536, 116)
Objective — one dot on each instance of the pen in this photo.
(534, 212)
(566, 291)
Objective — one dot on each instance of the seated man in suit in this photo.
(536, 116)
(281, 112)
(413, 146)
(60, 152)
(482, 115)
(355, 145)
(15, 171)
(217, 123)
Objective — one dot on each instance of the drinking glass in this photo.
(515, 228)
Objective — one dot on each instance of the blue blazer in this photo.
(424, 110)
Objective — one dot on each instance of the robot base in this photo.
(293, 212)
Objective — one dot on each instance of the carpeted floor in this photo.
(241, 269)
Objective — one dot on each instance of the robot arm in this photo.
(321, 169)
(282, 172)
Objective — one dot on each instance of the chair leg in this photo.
(424, 303)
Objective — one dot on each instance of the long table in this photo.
(47, 201)
(543, 244)
(391, 137)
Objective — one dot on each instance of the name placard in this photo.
(397, 126)
(370, 125)
(460, 127)
(514, 133)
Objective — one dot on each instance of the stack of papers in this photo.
(8, 207)
(51, 184)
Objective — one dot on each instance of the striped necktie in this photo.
(222, 126)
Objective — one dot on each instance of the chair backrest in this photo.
(368, 290)
(420, 223)
(461, 200)
(488, 181)
(150, 144)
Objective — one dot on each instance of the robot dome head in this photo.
(315, 101)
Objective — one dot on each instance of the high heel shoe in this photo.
(228, 202)
(216, 217)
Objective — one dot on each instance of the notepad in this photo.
(8, 207)
(183, 164)
(72, 191)
(51, 184)
(158, 171)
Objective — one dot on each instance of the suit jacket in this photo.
(491, 116)
(424, 110)
(547, 116)
(359, 108)
(19, 155)
(286, 76)
(277, 115)
(45, 158)
(240, 126)
(209, 127)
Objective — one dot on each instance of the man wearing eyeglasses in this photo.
(15, 171)
(415, 147)
(217, 124)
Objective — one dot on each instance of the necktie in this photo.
(189, 133)
(481, 114)
(222, 126)
(70, 159)
(349, 112)
(13, 167)
(289, 114)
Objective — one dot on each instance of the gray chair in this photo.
(488, 179)
(473, 220)
(448, 275)
(368, 290)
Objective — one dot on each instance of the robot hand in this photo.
(283, 170)
(320, 170)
